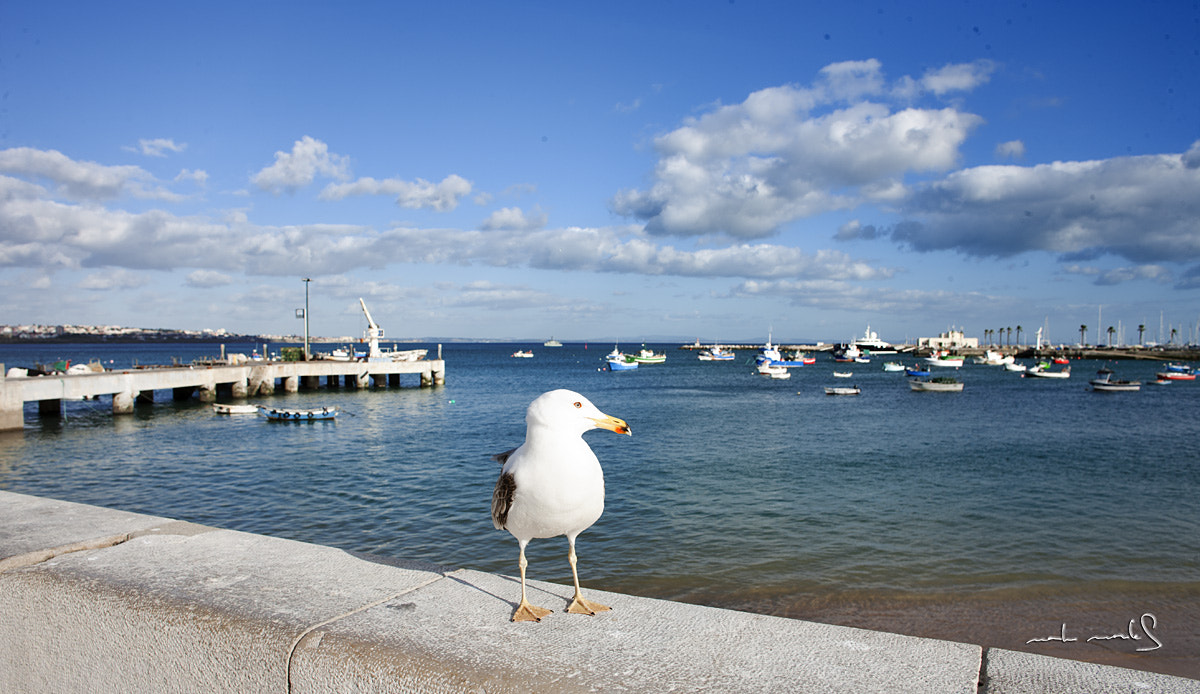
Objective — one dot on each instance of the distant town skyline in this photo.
(603, 171)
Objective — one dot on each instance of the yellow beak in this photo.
(613, 424)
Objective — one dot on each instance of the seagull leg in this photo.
(526, 612)
(579, 605)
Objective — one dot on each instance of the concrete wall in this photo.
(98, 600)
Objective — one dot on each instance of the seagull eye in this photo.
(578, 405)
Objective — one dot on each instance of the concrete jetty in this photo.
(96, 599)
(127, 386)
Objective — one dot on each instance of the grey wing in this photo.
(502, 458)
(502, 497)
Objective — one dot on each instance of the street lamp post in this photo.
(306, 281)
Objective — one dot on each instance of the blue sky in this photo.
(635, 170)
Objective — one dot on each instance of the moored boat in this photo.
(1176, 375)
(1042, 370)
(842, 390)
(224, 408)
(1015, 367)
(941, 384)
(843, 374)
(715, 353)
(523, 354)
(945, 359)
(893, 366)
(1105, 383)
(646, 356)
(277, 414)
(915, 371)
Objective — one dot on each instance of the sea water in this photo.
(1008, 514)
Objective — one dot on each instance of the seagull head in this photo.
(568, 411)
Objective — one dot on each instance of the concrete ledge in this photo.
(169, 606)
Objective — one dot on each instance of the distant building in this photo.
(949, 340)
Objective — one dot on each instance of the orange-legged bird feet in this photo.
(579, 605)
(526, 612)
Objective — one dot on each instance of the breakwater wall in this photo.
(95, 599)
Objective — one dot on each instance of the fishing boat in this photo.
(1042, 370)
(617, 361)
(941, 384)
(915, 371)
(552, 343)
(223, 408)
(1177, 376)
(843, 374)
(765, 369)
(276, 414)
(1183, 368)
(1015, 367)
(945, 359)
(993, 358)
(1105, 383)
(715, 353)
(646, 356)
(893, 366)
(522, 354)
(769, 353)
(842, 390)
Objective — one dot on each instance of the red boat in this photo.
(1061, 360)
(1176, 376)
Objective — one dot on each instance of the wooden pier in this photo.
(236, 381)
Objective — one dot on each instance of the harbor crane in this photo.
(374, 332)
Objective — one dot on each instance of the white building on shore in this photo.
(954, 339)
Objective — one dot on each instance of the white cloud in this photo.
(1013, 149)
(112, 279)
(207, 278)
(747, 169)
(158, 147)
(199, 176)
(81, 180)
(515, 219)
(1143, 208)
(443, 196)
(298, 168)
(958, 77)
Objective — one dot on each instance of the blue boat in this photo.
(916, 371)
(280, 415)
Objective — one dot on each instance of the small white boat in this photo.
(523, 354)
(993, 358)
(842, 390)
(1042, 370)
(1105, 383)
(893, 366)
(646, 356)
(222, 408)
(715, 353)
(766, 369)
(945, 359)
(1015, 367)
(552, 343)
(843, 374)
(940, 384)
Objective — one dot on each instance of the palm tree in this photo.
(1010, 337)
(1082, 335)
(1018, 336)
(1110, 332)
(987, 335)
(1174, 332)
(1141, 329)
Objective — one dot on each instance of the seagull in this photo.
(552, 484)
